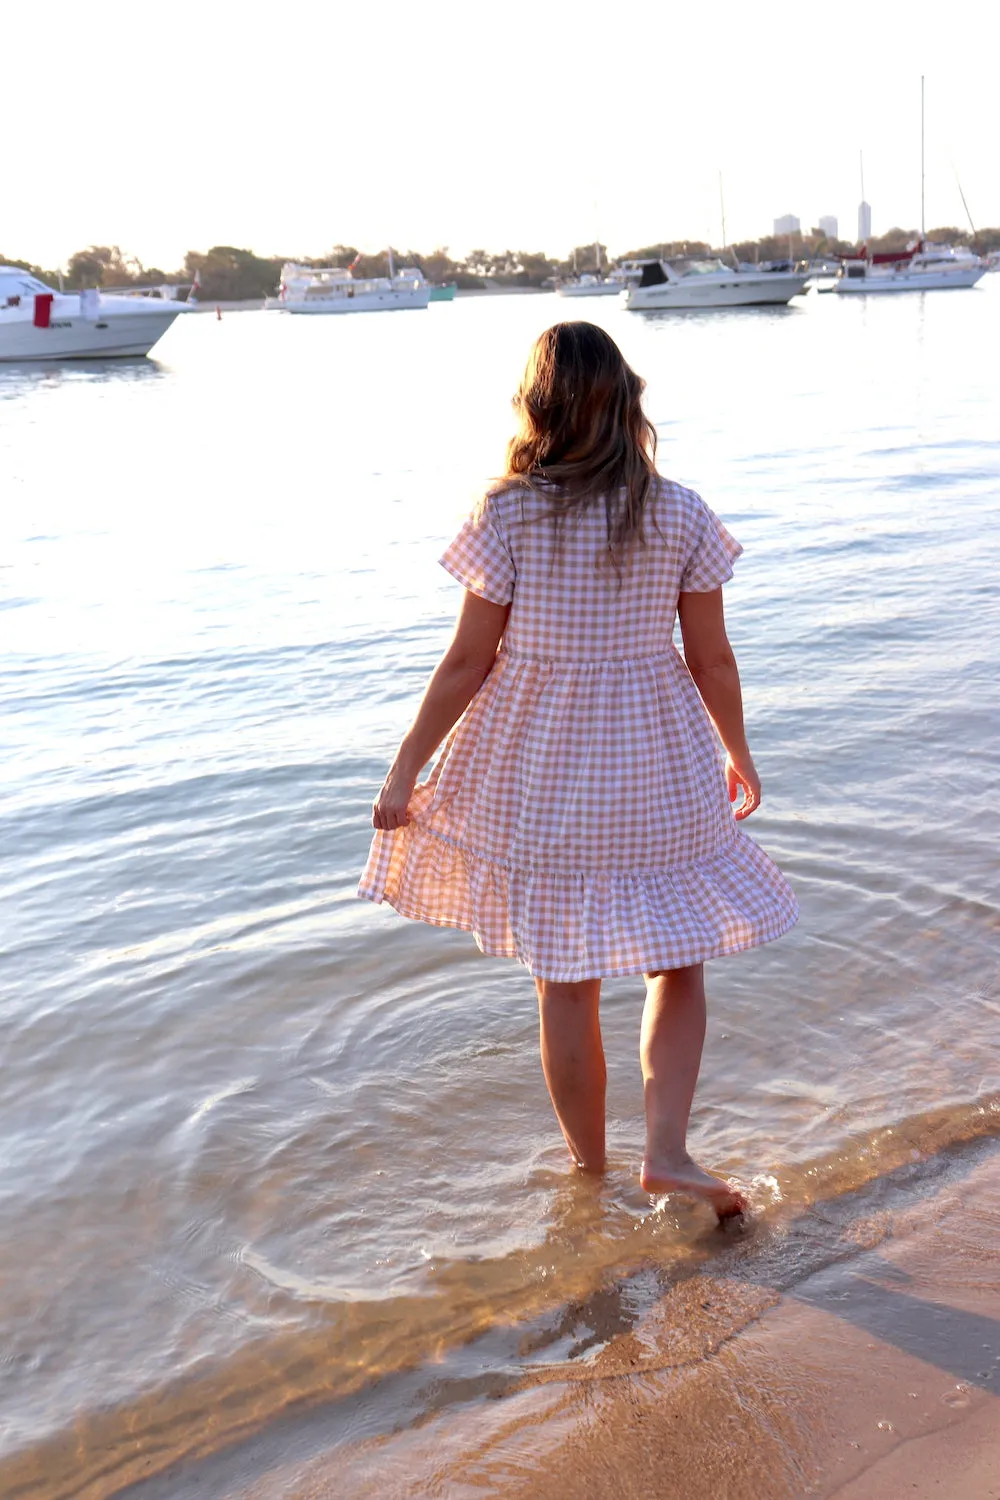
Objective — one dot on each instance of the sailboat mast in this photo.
(964, 204)
(722, 207)
(922, 220)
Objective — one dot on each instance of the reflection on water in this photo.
(723, 317)
(262, 1143)
(19, 378)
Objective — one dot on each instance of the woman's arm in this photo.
(456, 680)
(712, 665)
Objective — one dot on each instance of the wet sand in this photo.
(875, 1377)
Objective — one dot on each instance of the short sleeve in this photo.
(712, 556)
(480, 559)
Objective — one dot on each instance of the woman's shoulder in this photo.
(669, 492)
(675, 505)
(512, 500)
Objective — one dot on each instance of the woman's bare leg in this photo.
(670, 1046)
(573, 1064)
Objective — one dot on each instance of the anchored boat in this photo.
(590, 284)
(922, 268)
(39, 323)
(334, 289)
(689, 283)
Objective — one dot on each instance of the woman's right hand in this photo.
(390, 807)
(741, 775)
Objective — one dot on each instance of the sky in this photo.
(531, 126)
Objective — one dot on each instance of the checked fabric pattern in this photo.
(577, 817)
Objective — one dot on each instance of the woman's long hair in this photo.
(583, 435)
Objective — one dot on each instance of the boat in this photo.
(823, 274)
(335, 289)
(626, 272)
(444, 293)
(589, 284)
(39, 323)
(921, 267)
(924, 267)
(684, 282)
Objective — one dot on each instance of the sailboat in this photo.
(922, 267)
(589, 283)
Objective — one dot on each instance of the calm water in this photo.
(263, 1144)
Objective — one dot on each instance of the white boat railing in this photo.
(165, 291)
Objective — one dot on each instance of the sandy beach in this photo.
(875, 1376)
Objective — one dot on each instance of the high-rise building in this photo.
(828, 226)
(864, 222)
(788, 224)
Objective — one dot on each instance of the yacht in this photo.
(924, 267)
(37, 322)
(333, 289)
(689, 283)
(589, 284)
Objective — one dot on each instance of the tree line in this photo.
(226, 273)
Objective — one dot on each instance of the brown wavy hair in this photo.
(583, 436)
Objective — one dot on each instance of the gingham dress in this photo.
(577, 818)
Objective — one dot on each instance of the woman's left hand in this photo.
(390, 809)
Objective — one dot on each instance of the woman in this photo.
(579, 818)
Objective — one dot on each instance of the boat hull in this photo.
(698, 292)
(601, 289)
(444, 293)
(910, 281)
(397, 300)
(116, 332)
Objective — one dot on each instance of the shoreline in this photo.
(870, 1371)
(876, 1376)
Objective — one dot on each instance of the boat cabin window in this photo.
(685, 267)
(17, 283)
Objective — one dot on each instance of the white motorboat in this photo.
(688, 283)
(590, 284)
(37, 322)
(921, 269)
(333, 289)
(626, 272)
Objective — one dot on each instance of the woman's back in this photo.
(568, 601)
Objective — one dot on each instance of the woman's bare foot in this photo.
(679, 1174)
